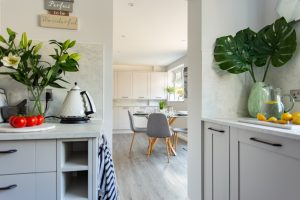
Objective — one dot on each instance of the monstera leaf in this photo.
(275, 42)
(236, 54)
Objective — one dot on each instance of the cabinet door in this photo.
(124, 123)
(264, 167)
(124, 85)
(158, 84)
(140, 121)
(216, 162)
(140, 87)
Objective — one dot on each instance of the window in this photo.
(176, 82)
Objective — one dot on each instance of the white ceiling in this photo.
(149, 32)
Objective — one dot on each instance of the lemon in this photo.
(287, 116)
(296, 117)
(272, 119)
(261, 117)
(281, 121)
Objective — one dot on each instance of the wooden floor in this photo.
(153, 179)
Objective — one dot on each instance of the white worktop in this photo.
(91, 129)
(291, 134)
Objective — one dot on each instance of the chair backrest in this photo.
(132, 126)
(158, 126)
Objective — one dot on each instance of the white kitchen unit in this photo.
(124, 85)
(264, 162)
(59, 164)
(140, 85)
(121, 118)
(158, 85)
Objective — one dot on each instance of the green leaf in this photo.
(2, 39)
(75, 56)
(63, 57)
(55, 85)
(72, 44)
(235, 54)
(66, 44)
(276, 42)
(11, 33)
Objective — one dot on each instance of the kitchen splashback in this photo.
(89, 77)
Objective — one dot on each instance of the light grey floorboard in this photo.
(153, 179)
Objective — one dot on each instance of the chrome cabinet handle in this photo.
(9, 151)
(9, 187)
(266, 142)
(216, 130)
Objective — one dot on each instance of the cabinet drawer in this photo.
(27, 156)
(17, 157)
(15, 187)
(269, 142)
(216, 128)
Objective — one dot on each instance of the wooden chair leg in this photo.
(153, 144)
(149, 148)
(131, 143)
(172, 150)
(167, 140)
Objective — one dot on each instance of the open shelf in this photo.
(75, 185)
(75, 156)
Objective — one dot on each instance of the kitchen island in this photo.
(244, 161)
(55, 164)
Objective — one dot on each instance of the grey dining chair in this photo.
(158, 127)
(175, 136)
(134, 129)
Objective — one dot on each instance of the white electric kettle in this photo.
(75, 109)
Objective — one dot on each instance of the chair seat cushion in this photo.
(140, 130)
(180, 130)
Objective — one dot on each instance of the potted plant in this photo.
(23, 63)
(162, 105)
(274, 45)
(171, 91)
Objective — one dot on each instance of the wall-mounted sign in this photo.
(59, 5)
(58, 12)
(58, 21)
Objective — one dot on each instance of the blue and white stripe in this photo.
(107, 177)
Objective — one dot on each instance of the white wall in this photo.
(95, 26)
(176, 63)
(213, 93)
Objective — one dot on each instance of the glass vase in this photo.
(35, 93)
(260, 93)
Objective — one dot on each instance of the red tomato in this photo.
(40, 119)
(11, 119)
(18, 122)
(31, 121)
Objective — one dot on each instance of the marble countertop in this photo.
(291, 134)
(91, 129)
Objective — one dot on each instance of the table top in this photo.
(176, 115)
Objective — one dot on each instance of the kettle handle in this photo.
(91, 103)
(292, 100)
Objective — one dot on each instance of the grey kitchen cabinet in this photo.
(264, 166)
(216, 162)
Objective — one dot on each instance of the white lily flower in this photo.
(11, 60)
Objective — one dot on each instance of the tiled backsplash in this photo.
(89, 77)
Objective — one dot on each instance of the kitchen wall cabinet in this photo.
(216, 162)
(140, 85)
(124, 85)
(158, 84)
(241, 164)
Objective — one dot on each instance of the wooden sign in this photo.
(57, 21)
(58, 5)
(58, 12)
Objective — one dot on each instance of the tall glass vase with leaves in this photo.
(274, 45)
(23, 63)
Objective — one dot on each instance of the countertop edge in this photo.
(290, 134)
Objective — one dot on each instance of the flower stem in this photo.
(252, 73)
(267, 68)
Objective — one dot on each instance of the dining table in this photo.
(171, 119)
